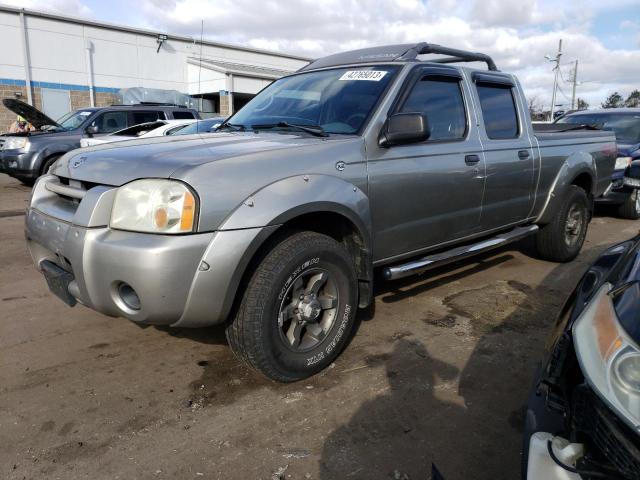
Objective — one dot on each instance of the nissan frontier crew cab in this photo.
(274, 224)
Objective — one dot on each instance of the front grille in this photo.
(612, 438)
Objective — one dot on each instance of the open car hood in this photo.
(31, 114)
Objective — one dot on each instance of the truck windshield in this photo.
(73, 120)
(626, 126)
(337, 101)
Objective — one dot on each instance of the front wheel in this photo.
(561, 240)
(46, 165)
(298, 309)
(630, 209)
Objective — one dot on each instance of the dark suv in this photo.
(26, 156)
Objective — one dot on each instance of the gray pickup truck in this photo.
(370, 160)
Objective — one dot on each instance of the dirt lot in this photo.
(439, 373)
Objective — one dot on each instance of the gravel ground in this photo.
(438, 372)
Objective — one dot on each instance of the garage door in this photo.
(55, 103)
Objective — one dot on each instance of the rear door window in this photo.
(147, 116)
(498, 110)
(183, 115)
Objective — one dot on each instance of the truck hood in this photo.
(31, 114)
(121, 162)
(628, 150)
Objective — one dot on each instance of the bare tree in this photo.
(582, 104)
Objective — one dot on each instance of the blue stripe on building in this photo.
(58, 86)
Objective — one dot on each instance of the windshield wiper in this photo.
(315, 130)
(235, 126)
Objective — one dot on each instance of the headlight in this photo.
(609, 358)
(154, 206)
(13, 143)
(622, 163)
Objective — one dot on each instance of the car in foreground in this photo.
(274, 224)
(625, 123)
(583, 415)
(159, 128)
(27, 156)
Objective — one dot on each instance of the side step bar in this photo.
(416, 267)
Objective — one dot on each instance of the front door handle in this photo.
(471, 159)
(523, 154)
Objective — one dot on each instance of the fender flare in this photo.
(293, 196)
(289, 198)
(574, 165)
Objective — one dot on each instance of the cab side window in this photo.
(440, 99)
(109, 122)
(498, 110)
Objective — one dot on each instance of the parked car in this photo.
(29, 155)
(583, 414)
(159, 128)
(201, 126)
(625, 122)
(274, 224)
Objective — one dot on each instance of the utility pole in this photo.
(575, 83)
(200, 67)
(555, 78)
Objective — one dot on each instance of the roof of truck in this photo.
(406, 52)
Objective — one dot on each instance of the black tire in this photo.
(561, 240)
(47, 164)
(28, 182)
(257, 332)
(630, 209)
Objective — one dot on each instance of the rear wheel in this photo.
(298, 309)
(631, 207)
(561, 240)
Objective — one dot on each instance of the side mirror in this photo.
(92, 130)
(404, 128)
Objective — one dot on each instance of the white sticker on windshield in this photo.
(85, 114)
(369, 75)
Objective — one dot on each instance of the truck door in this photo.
(428, 193)
(508, 152)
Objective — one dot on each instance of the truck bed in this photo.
(598, 144)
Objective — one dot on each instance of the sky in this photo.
(603, 35)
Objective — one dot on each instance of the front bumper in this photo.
(542, 466)
(18, 164)
(618, 191)
(180, 280)
(580, 416)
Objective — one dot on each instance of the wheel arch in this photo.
(577, 170)
(319, 203)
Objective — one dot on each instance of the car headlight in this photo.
(622, 163)
(608, 357)
(13, 143)
(154, 206)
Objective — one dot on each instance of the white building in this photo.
(60, 63)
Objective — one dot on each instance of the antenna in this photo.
(200, 67)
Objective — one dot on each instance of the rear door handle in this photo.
(523, 154)
(471, 159)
